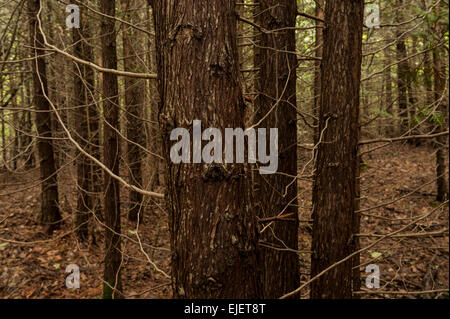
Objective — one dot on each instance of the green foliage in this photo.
(383, 113)
(364, 166)
(435, 117)
(375, 254)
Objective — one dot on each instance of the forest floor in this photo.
(33, 265)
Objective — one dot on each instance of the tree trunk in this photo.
(15, 120)
(80, 116)
(336, 166)
(439, 89)
(277, 193)
(402, 76)
(213, 232)
(93, 118)
(50, 215)
(112, 286)
(4, 161)
(412, 100)
(134, 103)
(317, 81)
(28, 156)
(152, 129)
(389, 107)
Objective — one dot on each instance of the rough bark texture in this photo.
(134, 103)
(277, 193)
(111, 155)
(50, 215)
(213, 233)
(336, 165)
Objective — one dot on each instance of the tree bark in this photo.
(402, 76)
(213, 232)
(28, 156)
(277, 193)
(80, 116)
(94, 127)
(4, 160)
(152, 129)
(50, 214)
(15, 119)
(389, 129)
(134, 103)
(112, 286)
(439, 89)
(317, 81)
(336, 166)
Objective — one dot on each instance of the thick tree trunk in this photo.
(277, 193)
(336, 166)
(50, 215)
(213, 231)
(134, 103)
(112, 286)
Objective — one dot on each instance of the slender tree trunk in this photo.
(317, 80)
(50, 215)
(93, 118)
(21, 122)
(336, 166)
(439, 89)
(277, 193)
(29, 156)
(112, 286)
(402, 75)
(411, 69)
(428, 75)
(134, 101)
(412, 100)
(46, 20)
(4, 160)
(15, 120)
(80, 116)
(389, 107)
(213, 231)
(152, 129)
